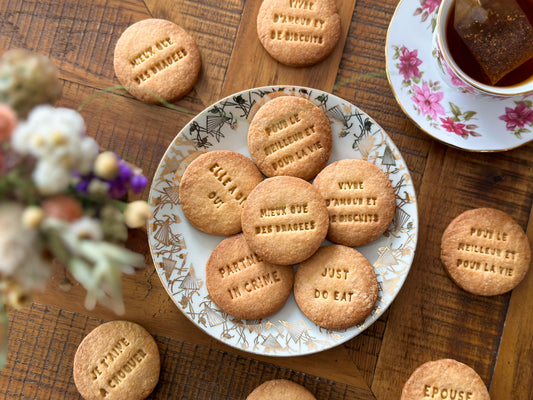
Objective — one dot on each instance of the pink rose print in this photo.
(427, 101)
(409, 63)
(517, 117)
(430, 5)
(451, 126)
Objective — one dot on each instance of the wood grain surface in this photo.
(431, 318)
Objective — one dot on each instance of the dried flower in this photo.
(63, 207)
(56, 138)
(8, 121)
(26, 80)
(20, 250)
(136, 214)
(32, 217)
(106, 165)
(86, 228)
(58, 197)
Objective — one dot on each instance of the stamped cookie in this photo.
(298, 32)
(360, 201)
(336, 288)
(280, 389)
(242, 284)
(290, 136)
(485, 251)
(213, 190)
(157, 56)
(284, 220)
(117, 360)
(444, 379)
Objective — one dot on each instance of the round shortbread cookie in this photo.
(485, 251)
(360, 201)
(280, 389)
(290, 136)
(214, 188)
(284, 220)
(242, 284)
(117, 360)
(444, 379)
(336, 288)
(298, 32)
(157, 56)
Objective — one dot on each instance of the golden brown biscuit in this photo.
(284, 220)
(214, 188)
(336, 288)
(280, 389)
(290, 136)
(298, 32)
(444, 379)
(485, 251)
(242, 284)
(157, 56)
(360, 201)
(117, 360)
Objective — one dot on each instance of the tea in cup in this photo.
(486, 46)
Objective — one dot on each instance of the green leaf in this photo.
(456, 111)
(469, 115)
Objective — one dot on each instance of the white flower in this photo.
(56, 137)
(86, 228)
(50, 178)
(20, 249)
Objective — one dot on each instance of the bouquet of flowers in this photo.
(61, 199)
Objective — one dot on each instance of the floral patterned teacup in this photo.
(454, 76)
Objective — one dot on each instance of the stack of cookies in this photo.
(285, 219)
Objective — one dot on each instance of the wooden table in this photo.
(430, 319)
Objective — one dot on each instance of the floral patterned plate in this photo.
(452, 115)
(180, 252)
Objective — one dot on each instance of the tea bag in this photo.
(497, 33)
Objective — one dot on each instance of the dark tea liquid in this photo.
(464, 59)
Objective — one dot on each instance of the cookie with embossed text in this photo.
(485, 251)
(298, 32)
(444, 379)
(156, 59)
(336, 288)
(284, 220)
(242, 284)
(360, 200)
(214, 188)
(117, 360)
(290, 135)
(280, 389)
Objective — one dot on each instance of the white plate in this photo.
(180, 251)
(452, 115)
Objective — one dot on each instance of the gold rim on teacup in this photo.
(522, 88)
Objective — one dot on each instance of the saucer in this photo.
(452, 115)
(180, 251)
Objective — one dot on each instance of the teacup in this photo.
(454, 76)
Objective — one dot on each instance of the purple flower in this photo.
(430, 5)
(409, 63)
(117, 188)
(138, 183)
(83, 185)
(451, 126)
(427, 101)
(124, 171)
(517, 117)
